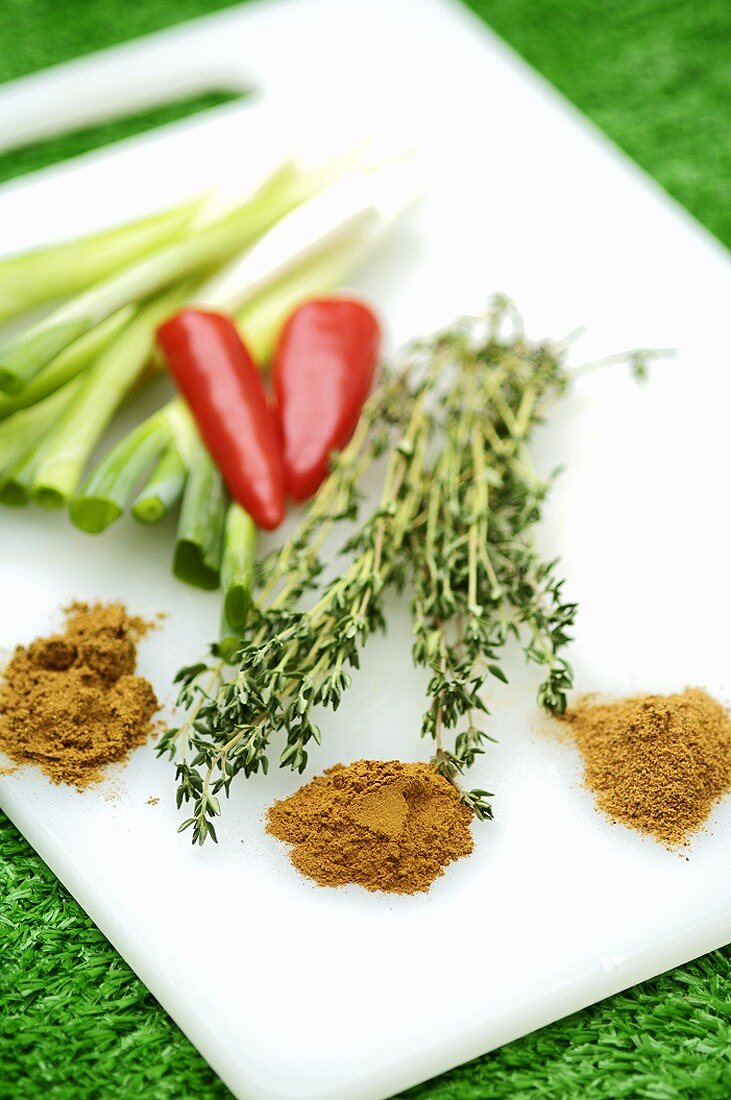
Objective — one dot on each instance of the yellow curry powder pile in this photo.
(71, 703)
(381, 824)
(657, 763)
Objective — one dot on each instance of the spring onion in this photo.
(199, 540)
(70, 363)
(60, 270)
(65, 453)
(165, 485)
(20, 433)
(110, 488)
(16, 483)
(163, 489)
(206, 246)
(237, 576)
(349, 212)
(65, 377)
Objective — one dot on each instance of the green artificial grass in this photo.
(654, 74)
(76, 1024)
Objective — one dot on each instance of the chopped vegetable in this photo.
(17, 481)
(110, 488)
(199, 542)
(237, 576)
(323, 370)
(260, 321)
(88, 354)
(164, 487)
(216, 375)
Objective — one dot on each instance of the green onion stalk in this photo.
(59, 461)
(164, 486)
(21, 433)
(109, 489)
(261, 320)
(49, 469)
(201, 527)
(159, 453)
(203, 248)
(237, 577)
(60, 270)
(72, 361)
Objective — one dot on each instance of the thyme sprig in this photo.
(285, 655)
(477, 578)
(454, 523)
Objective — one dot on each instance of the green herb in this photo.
(454, 523)
(477, 577)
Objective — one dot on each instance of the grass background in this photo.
(75, 1023)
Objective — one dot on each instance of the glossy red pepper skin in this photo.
(212, 368)
(323, 370)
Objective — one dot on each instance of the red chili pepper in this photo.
(323, 370)
(215, 373)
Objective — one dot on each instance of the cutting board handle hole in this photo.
(40, 154)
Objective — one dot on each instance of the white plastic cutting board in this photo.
(290, 991)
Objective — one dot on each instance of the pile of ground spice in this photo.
(657, 763)
(381, 824)
(71, 703)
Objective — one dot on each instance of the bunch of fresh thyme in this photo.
(454, 523)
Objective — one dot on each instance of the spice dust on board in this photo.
(71, 703)
(380, 824)
(657, 763)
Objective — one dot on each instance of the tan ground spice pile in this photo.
(71, 703)
(382, 824)
(656, 762)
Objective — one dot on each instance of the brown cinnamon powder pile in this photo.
(381, 824)
(71, 703)
(657, 763)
